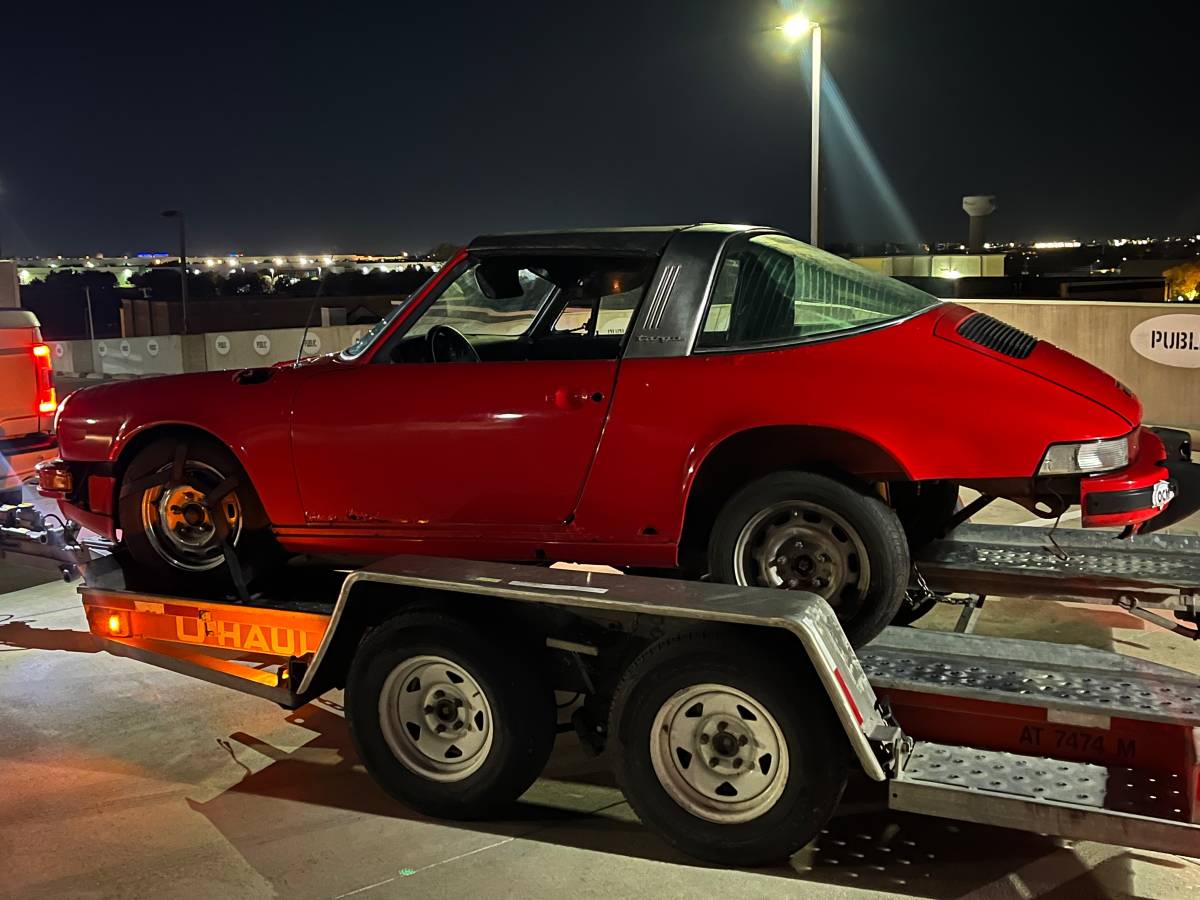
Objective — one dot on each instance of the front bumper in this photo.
(1159, 487)
(86, 499)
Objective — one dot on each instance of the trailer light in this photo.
(1086, 457)
(113, 624)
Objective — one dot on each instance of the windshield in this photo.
(356, 349)
(778, 289)
(474, 308)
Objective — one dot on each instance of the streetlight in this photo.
(795, 28)
(183, 263)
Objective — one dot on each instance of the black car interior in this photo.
(582, 285)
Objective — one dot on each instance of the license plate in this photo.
(1163, 494)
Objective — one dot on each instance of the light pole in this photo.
(794, 29)
(183, 263)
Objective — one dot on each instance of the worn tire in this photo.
(874, 521)
(816, 758)
(145, 566)
(522, 722)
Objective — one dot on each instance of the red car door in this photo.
(422, 446)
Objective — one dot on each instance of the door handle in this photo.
(565, 398)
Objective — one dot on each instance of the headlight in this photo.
(1086, 457)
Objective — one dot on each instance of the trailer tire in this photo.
(415, 674)
(805, 531)
(790, 785)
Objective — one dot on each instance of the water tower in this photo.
(978, 207)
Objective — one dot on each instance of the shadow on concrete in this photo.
(300, 796)
(20, 635)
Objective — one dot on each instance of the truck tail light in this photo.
(47, 400)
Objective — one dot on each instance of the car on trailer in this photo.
(713, 400)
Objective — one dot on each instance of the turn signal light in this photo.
(114, 623)
(54, 478)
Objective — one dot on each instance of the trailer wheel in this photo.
(446, 720)
(803, 531)
(735, 756)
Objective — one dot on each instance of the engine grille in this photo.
(996, 335)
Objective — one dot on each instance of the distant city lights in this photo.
(1056, 245)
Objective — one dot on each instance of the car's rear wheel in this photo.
(171, 496)
(803, 531)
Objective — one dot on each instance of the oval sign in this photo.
(125, 348)
(262, 344)
(1172, 340)
(102, 348)
(221, 344)
(152, 347)
(58, 351)
(312, 343)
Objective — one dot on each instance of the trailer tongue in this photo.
(1068, 741)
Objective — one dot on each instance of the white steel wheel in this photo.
(727, 746)
(436, 718)
(719, 753)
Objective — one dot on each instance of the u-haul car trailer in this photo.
(732, 714)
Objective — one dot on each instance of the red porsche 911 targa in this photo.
(709, 400)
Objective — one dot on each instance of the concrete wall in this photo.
(171, 354)
(1100, 333)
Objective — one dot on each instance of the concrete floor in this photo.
(120, 780)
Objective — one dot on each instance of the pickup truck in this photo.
(27, 401)
(712, 401)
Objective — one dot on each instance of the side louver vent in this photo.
(996, 335)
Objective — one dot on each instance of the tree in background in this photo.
(1183, 281)
(60, 301)
(440, 252)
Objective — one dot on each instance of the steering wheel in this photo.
(447, 344)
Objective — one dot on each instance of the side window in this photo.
(598, 308)
(777, 289)
(467, 307)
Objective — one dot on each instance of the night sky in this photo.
(349, 127)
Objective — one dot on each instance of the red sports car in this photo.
(720, 400)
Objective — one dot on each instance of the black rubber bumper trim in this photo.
(1108, 503)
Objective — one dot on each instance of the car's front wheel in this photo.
(810, 532)
(185, 507)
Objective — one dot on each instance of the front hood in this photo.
(1011, 346)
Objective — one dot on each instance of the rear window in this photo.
(777, 289)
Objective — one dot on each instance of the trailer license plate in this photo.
(1163, 494)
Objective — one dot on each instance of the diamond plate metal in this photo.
(1116, 789)
(1072, 678)
(1010, 561)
